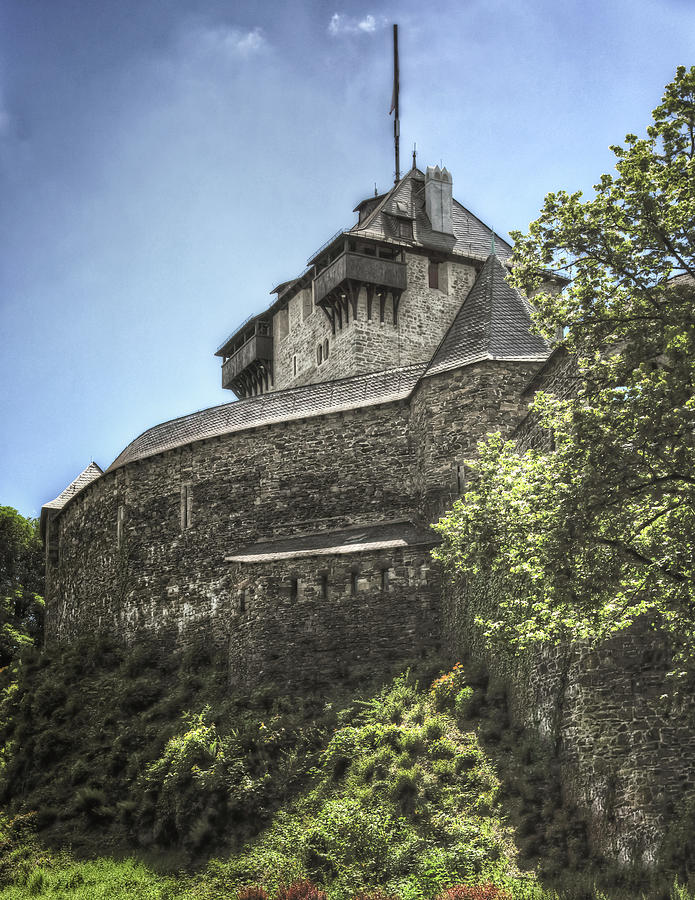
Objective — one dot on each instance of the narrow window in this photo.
(325, 349)
(120, 520)
(384, 580)
(319, 354)
(186, 506)
(294, 588)
(242, 601)
(353, 583)
(433, 270)
(324, 587)
(294, 363)
(460, 478)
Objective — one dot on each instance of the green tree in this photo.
(21, 583)
(602, 529)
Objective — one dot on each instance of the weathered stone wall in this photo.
(451, 412)
(559, 375)
(297, 477)
(624, 731)
(351, 612)
(144, 546)
(366, 345)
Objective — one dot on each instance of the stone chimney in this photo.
(438, 199)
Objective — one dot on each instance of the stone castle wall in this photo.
(623, 729)
(375, 610)
(144, 547)
(140, 569)
(451, 413)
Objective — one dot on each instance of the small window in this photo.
(460, 478)
(294, 588)
(294, 364)
(186, 506)
(384, 580)
(404, 229)
(325, 349)
(319, 354)
(282, 322)
(353, 583)
(120, 522)
(433, 270)
(324, 587)
(242, 601)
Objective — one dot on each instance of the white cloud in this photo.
(342, 24)
(224, 40)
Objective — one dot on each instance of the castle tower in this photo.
(377, 296)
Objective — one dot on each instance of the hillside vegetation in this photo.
(143, 763)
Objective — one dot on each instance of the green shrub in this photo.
(37, 882)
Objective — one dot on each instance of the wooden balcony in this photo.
(249, 370)
(388, 274)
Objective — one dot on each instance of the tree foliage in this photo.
(602, 529)
(21, 583)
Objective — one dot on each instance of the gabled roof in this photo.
(86, 476)
(493, 323)
(407, 198)
(361, 539)
(279, 406)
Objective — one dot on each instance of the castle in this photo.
(294, 523)
(291, 528)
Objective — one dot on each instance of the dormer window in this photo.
(402, 228)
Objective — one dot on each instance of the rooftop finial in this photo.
(376, 193)
(415, 156)
(394, 105)
(492, 244)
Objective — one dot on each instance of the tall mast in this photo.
(394, 104)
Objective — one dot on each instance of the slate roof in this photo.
(86, 476)
(279, 406)
(342, 542)
(493, 323)
(407, 198)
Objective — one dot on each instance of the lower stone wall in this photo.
(319, 619)
(624, 731)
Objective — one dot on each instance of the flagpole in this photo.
(396, 121)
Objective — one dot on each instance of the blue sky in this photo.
(165, 163)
